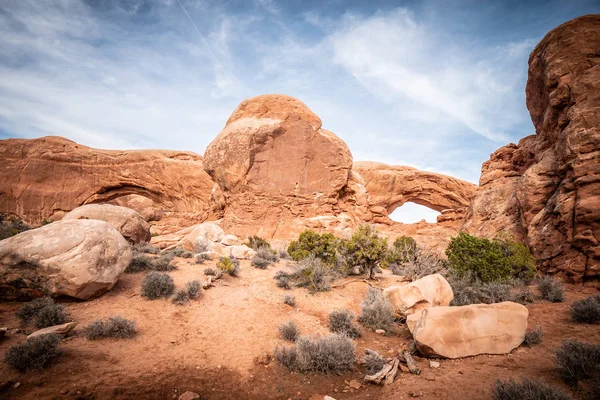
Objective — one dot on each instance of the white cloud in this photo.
(403, 61)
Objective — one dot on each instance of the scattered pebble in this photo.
(434, 364)
(380, 331)
(17, 385)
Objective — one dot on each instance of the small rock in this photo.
(15, 331)
(3, 332)
(62, 329)
(354, 384)
(328, 398)
(17, 385)
(403, 368)
(413, 394)
(380, 331)
(189, 396)
(434, 364)
(64, 391)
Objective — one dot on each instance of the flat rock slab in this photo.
(62, 329)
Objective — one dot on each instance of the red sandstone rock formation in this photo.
(546, 189)
(275, 168)
(46, 177)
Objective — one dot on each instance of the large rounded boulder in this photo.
(128, 222)
(76, 258)
(273, 164)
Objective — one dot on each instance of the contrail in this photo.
(201, 36)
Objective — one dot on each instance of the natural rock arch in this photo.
(391, 186)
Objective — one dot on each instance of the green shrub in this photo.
(256, 242)
(324, 247)
(156, 285)
(180, 297)
(264, 257)
(551, 290)
(43, 312)
(365, 249)
(403, 250)
(193, 289)
(490, 260)
(35, 353)
(577, 360)
(289, 300)
(141, 262)
(533, 336)
(341, 322)
(113, 327)
(289, 331)
(527, 390)
(377, 312)
(228, 265)
(586, 310)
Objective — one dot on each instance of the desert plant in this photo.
(411, 261)
(180, 297)
(521, 295)
(11, 225)
(288, 357)
(490, 260)
(373, 362)
(193, 289)
(313, 274)
(156, 285)
(527, 389)
(210, 271)
(113, 327)
(283, 280)
(260, 263)
(256, 242)
(202, 257)
(35, 353)
(175, 252)
(324, 247)
(365, 249)
(229, 265)
(550, 289)
(144, 248)
(468, 289)
(186, 254)
(577, 360)
(533, 336)
(139, 262)
(289, 331)
(329, 354)
(283, 254)
(377, 312)
(289, 300)
(341, 322)
(586, 310)
(43, 312)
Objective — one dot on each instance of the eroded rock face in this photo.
(76, 258)
(272, 164)
(129, 223)
(455, 332)
(429, 291)
(47, 177)
(546, 189)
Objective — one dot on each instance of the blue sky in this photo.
(437, 85)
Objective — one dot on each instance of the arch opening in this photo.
(411, 213)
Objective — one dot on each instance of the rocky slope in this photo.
(546, 189)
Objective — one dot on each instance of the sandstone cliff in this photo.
(46, 177)
(546, 189)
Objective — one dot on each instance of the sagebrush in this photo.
(577, 360)
(533, 336)
(527, 389)
(156, 285)
(586, 310)
(113, 327)
(342, 322)
(377, 312)
(551, 289)
(327, 355)
(43, 312)
(35, 353)
(289, 331)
